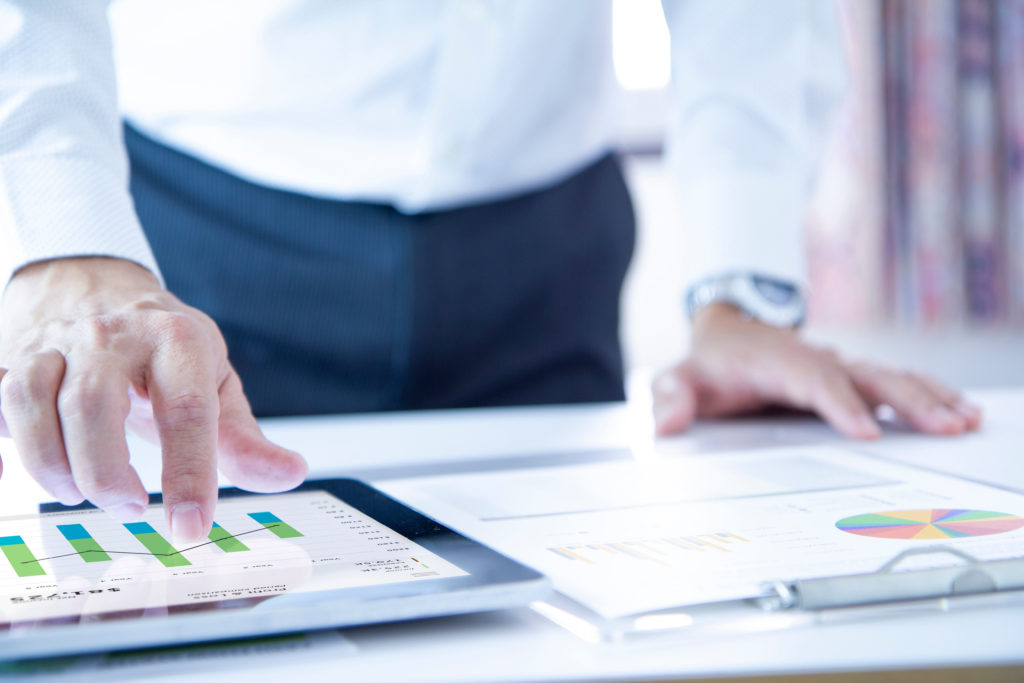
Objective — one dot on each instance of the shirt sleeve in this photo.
(63, 167)
(754, 85)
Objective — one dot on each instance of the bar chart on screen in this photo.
(78, 562)
(150, 543)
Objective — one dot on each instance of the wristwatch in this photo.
(769, 300)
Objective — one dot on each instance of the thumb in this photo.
(674, 400)
(245, 456)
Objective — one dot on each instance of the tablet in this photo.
(330, 553)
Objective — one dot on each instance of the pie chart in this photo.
(930, 524)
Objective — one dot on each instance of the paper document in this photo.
(630, 537)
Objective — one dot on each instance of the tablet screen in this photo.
(81, 565)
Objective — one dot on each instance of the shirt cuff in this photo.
(744, 222)
(62, 207)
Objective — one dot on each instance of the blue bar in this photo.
(140, 528)
(73, 532)
(11, 540)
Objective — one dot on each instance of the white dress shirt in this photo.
(425, 104)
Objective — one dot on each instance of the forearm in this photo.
(754, 84)
(63, 172)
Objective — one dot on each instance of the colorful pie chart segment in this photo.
(930, 524)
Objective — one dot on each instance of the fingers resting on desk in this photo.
(738, 365)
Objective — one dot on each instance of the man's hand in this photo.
(738, 365)
(88, 344)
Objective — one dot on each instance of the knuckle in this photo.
(911, 386)
(48, 467)
(906, 377)
(178, 328)
(99, 484)
(933, 385)
(18, 388)
(99, 330)
(33, 384)
(186, 472)
(84, 396)
(829, 382)
(829, 355)
(827, 376)
(149, 302)
(186, 411)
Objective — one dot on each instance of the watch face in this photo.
(774, 291)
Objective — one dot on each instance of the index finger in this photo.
(182, 386)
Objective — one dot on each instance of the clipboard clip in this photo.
(970, 577)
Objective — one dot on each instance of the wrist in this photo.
(776, 302)
(59, 270)
(720, 319)
(716, 314)
(48, 283)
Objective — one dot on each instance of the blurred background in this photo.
(915, 232)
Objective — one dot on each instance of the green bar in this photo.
(226, 541)
(282, 530)
(89, 549)
(164, 551)
(20, 557)
(83, 542)
(274, 523)
(156, 544)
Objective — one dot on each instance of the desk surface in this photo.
(520, 645)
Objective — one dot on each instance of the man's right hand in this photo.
(90, 344)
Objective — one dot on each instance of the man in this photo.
(385, 205)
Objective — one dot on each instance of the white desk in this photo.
(519, 645)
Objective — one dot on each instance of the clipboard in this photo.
(784, 604)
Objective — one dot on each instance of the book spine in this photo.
(978, 163)
(896, 241)
(935, 263)
(1010, 75)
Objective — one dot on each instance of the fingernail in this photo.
(666, 384)
(126, 512)
(947, 418)
(186, 522)
(968, 410)
(67, 493)
(869, 428)
(663, 411)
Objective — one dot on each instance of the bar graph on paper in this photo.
(666, 551)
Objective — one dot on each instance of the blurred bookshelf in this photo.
(919, 215)
(915, 231)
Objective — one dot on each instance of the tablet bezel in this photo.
(493, 581)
